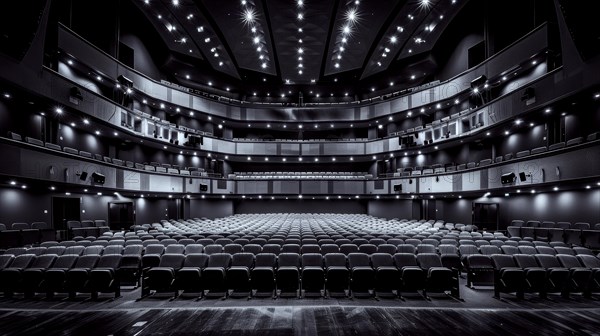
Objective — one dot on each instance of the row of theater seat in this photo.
(21, 234)
(246, 274)
(439, 168)
(152, 166)
(87, 228)
(543, 274)
(575, 234)
(66, 273)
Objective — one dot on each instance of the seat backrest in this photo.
(133, 250)
(526, 260)
(348, 248)
(265, 260)
(112, 249)
(39, 250)
(20, 226)
(545, 250)
(406, 248)
(16, 251)
(479, 261)
(490, 249)
(581, 226)
(76, 249)
(58, 250)
(564, 250)
(87, 261)
(589, 261)
(213, 249)
(43, 261)
(93, 250)
(329, 248)
(381, 259)
(193, 248)
(252, 248)
(429, 260)
(242, 259)
(335, 259)
(5, 260)
(387, 248)
(563, 225)
(290, 248)
(312, 259)
(109, 261)
(447, 249)
(175, 248)
(271, 248)
(65, 261)
(358, 260)
(582, 250)
(425, 248)
(310, 248)
(288, 259)
(367, 248)
(173, 260)
(503, 260)
(154, 249)
(510, 250)
(196, 260)
(468, 249)
(568, 261)
(73, 224)
(527, 250)
(547, 261)
(219, 260)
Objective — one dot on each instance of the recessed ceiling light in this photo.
(97, 132)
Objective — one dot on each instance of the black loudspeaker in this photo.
(397, 187)
(508, 178)
(522, 177)
(203, 187)
(83, 176)
(98, 178)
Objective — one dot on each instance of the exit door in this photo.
(485, 216)
(121, 215)
(65, 209)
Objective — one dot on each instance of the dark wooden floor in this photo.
(478, 314)
(302, 321)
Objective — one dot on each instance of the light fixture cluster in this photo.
(346, 28)
(300, 5)
(256, 31)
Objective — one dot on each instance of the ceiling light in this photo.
(249, 15)
(506, 132)
(59, 110)
(597, 95)
(555, 188)
(588, 187)
(412, 77)
(351, 158)
(300, 16)
(518, 121)
(72, 124)
(393, 39)
(300, 159)
(97, 132)
(220, 126)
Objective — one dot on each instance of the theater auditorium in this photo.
(299, 167)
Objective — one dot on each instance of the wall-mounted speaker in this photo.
(397, 187)
(98, 178)
(522, 176)
(203, 187)
(83, 176)
(508, 178)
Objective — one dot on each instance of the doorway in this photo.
(65, 209)
(121, 215)
(485, 216)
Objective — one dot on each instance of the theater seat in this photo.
(238, 275)
(387, 275)
(214, 276)
(508, 276)
(162, 277)
(439, 279)
(189, 277)
(337, 274)
(362, 275)
(263, 274)
(313, 274)
(288, 274)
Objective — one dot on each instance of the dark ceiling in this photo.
(299, 42)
